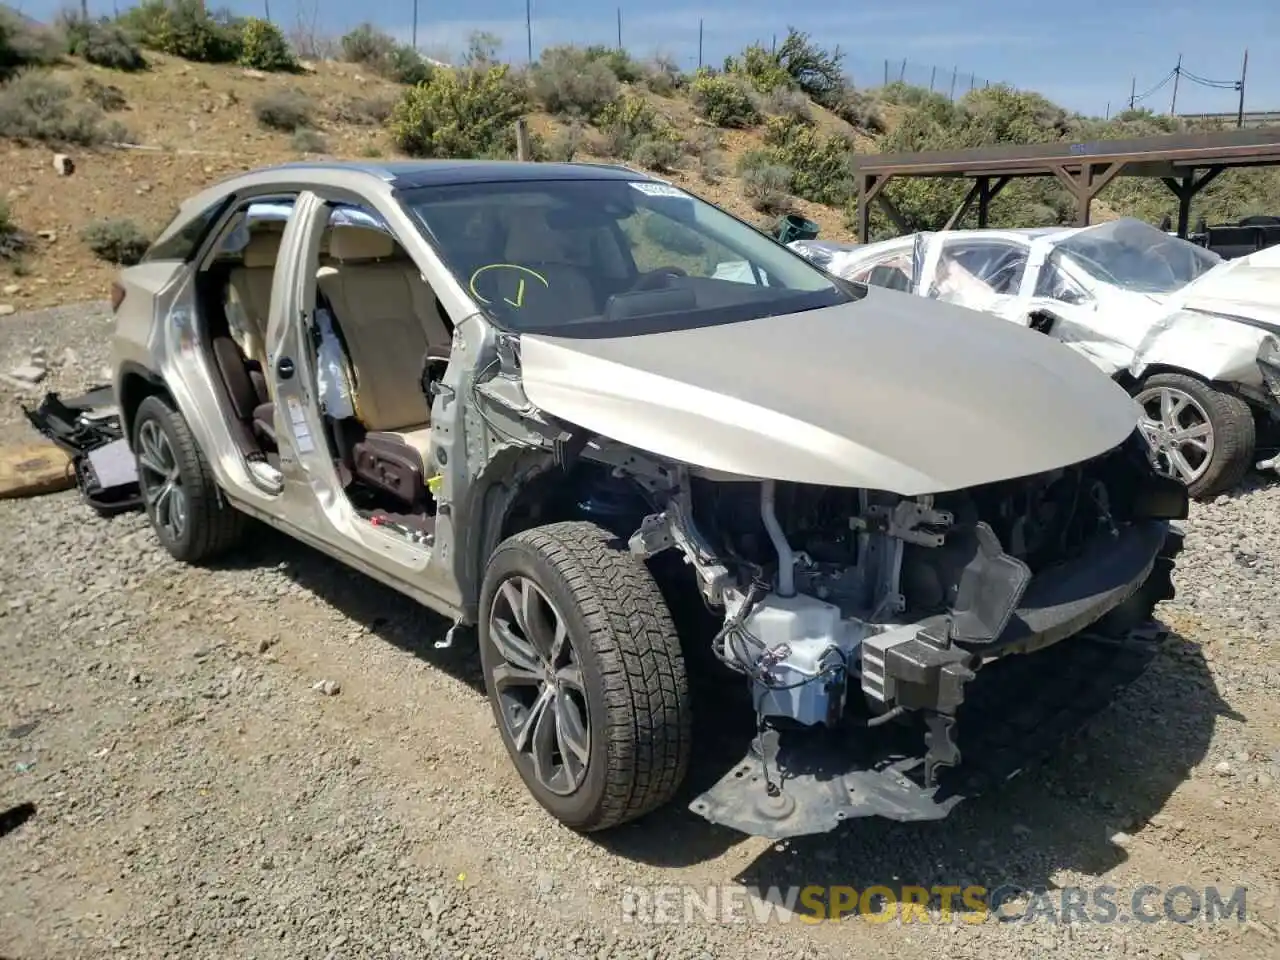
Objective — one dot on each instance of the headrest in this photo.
(262, 248)
(360, 243)
(529, 238)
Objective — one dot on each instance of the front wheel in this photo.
(585, 674)
(192, 520)
(1197, 434)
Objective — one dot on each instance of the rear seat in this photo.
(249, 293)
(389, 317)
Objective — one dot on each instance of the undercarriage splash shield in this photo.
(1016, 712)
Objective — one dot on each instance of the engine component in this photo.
(797, 651)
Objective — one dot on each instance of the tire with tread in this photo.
(634, 671)
(1234, 432)
(213, 525)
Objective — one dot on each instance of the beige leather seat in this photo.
(388, 317)
(249, 293)
(567, 295)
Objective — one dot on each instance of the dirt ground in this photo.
(195, 125)
(194, 794)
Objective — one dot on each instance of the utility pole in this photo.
(1177, 75)
(932, 75)
(886, 73)
(1244, 69)
(902, 73)
(528, 26)
(1108, 116)
(619, 28)
(1133, 90)
(699, 43)
(955, 72)
(414, 41)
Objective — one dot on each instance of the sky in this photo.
(1086, 54)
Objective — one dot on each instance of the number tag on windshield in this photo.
(658, 189)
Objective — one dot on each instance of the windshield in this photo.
(1136, 256)
(610, 257)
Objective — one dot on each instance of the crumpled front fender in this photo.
(1214, 348)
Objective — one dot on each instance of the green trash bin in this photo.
(795, 227)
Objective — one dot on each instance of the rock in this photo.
(49, 236)
(11, 289)
(1222, 769)
(254, 74)
(330, 688)
(63, 165)
(29, 373)
(70, 358)
(1121, 839)
(7, 310)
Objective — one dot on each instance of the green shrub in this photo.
(788, 103)
(568, 81)
(724, 100)
(107, 96)
(860, 110)
(565, 143)
(617, 62)
(23, 45)
(306, 140)
(761, 68)
(102, 42)
(37, 107)
(656, 153)
(460, 113)
(767, 188)
(184, 28)
(663, 76)
(821, 166)
(285, 110)
(364, 111)
(12, 240)
(624, 121)
(116, 241)
(263, 47)
(816, 71)
(370, 47)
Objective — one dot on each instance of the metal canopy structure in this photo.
(1185, 162)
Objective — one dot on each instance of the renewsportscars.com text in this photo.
(1008, 903)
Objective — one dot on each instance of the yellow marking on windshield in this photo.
(519, 300)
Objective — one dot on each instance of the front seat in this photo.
(567, 294)
(389, 318)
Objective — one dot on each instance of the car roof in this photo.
(409, 174)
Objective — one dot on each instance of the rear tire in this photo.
(613, 736)
(191, 518)
(1233, 438)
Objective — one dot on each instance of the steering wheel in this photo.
(657, 278)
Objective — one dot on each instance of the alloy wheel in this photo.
(161, 480)
(540, 689)
(1178, 431)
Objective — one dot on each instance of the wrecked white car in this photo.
(525, 395)
(1193, 337)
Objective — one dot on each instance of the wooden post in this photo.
(522, 140)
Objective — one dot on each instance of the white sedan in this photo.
(1195, 338)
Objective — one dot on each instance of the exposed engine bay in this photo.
(851, 609)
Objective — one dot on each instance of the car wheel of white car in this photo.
(187, 511)
(1197, 434)
(585, 674)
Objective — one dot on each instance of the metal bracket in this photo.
(903, 520)
(940, 741)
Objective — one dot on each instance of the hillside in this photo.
(769, 133)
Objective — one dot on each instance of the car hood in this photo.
(892, 392)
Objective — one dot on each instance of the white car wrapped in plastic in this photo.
(1195, 338)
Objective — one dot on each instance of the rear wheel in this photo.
(1197, 434)
(585, 674)
(191, 518)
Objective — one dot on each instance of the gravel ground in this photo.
(196, 795)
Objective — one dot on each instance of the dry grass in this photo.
(195, 125)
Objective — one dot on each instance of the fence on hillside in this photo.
(687, 39)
